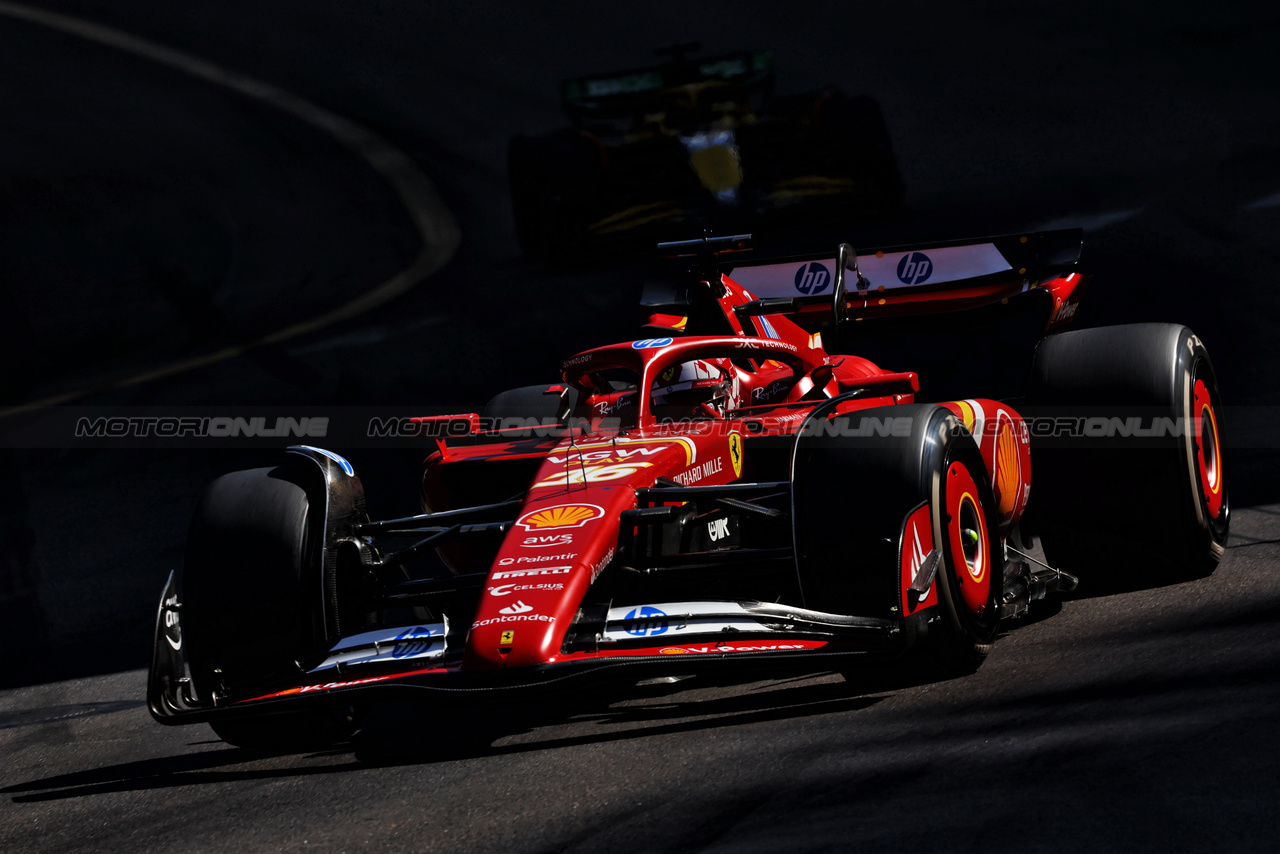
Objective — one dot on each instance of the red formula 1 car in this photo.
(722, 493)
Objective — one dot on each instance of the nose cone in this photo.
(525, 636)
(567, 532)
(555, 550)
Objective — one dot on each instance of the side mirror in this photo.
(821, 376)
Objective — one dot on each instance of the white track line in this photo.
(433, 221)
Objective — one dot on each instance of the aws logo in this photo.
(543, 541)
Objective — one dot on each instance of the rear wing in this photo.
(920, 268)
(893, 282)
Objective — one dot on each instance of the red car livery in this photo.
(725, 489)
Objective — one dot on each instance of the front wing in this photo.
(416, 662)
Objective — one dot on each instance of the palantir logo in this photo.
(812, 278)
(646, 620)
(914, 268)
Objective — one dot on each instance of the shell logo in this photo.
(673, 650)
(562, 516)
(1008, 473)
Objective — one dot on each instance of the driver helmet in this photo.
(689, 384)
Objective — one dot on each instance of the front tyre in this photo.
(971, 577)
(251, 592)
(856, 480)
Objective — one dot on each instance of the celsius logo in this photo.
(812, 278)
(914, 268)
(645, 620)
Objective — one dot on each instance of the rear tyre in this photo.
(853, 495)
(251, 593)
(1125, 512)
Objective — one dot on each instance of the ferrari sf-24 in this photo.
(722, 493)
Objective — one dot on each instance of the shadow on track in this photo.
(410, 734)
(1086, 749)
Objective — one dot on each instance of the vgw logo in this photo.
(812, 278)
(914, 268)
(645, 620)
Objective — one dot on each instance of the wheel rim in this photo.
(969, 539)
(1208, 454)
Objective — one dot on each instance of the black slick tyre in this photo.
(251, 592)
(1136, 493)
(854, 489)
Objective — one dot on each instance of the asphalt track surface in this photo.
(149, 217)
